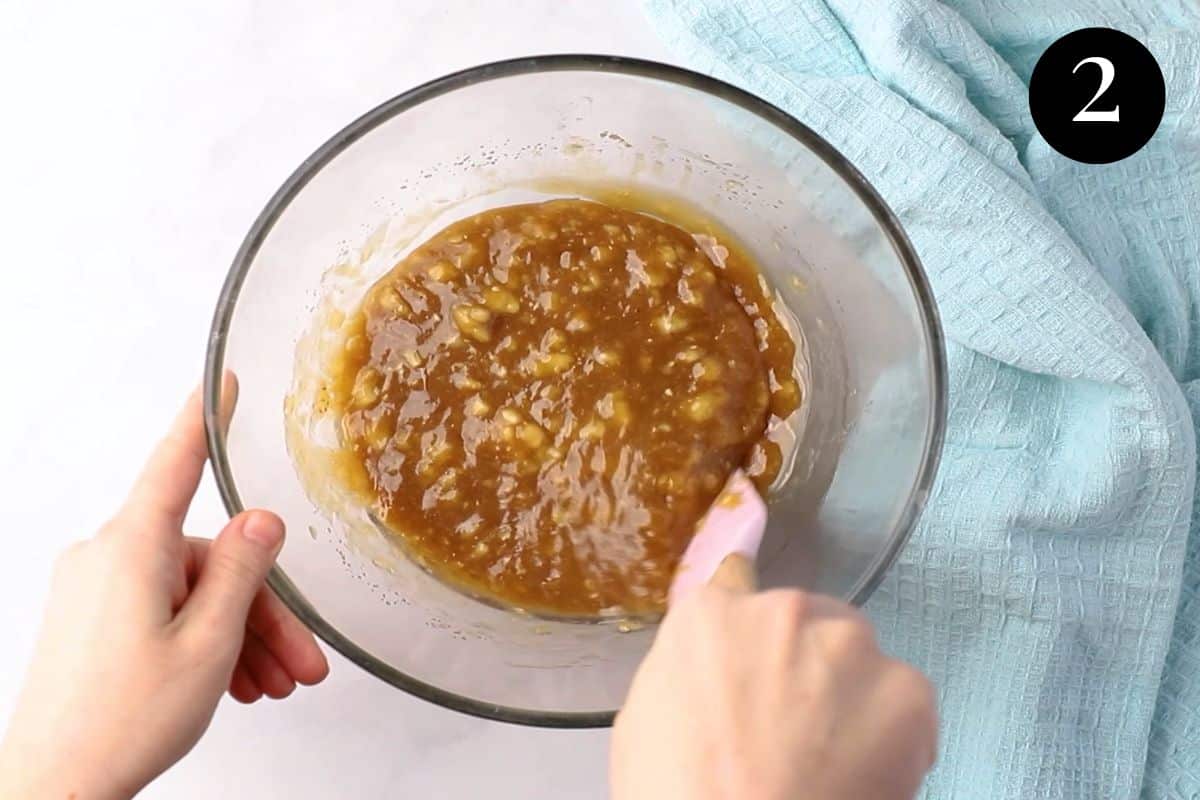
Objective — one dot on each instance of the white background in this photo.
(137, 144)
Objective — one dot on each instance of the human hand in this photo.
(144, 631)
(779, 695)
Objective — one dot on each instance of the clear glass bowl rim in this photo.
(214, 362)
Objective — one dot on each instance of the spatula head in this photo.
(734, 524)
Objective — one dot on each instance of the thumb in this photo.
(234, 570)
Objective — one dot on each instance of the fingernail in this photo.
(264, 529)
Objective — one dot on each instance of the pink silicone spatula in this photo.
(726, 541)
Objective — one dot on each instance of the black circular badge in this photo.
(1097, 95)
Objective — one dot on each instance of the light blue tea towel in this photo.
(1049, 591)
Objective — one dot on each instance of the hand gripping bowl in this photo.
(834, 253)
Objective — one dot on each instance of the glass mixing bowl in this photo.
(834, 253)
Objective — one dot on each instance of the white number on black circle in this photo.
(1107, 73)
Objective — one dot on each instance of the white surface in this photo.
(139, 143)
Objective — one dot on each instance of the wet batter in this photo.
(542, 400)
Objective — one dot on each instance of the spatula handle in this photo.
(736, 573)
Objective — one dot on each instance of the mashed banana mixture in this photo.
(542, 400)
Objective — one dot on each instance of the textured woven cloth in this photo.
(1050, 591)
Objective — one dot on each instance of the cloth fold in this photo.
(1050, 591)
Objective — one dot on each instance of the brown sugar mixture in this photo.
(542, 400)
